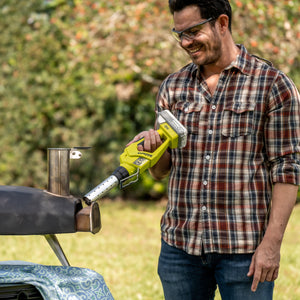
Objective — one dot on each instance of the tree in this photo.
(86, 73)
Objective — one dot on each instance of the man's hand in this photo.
(152, 140)
(265, 264)
(265, 261)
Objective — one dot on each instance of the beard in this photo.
(209, 52)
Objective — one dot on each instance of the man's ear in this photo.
(222, 23)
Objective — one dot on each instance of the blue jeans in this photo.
(189, 277)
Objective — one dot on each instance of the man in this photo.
(233, 187)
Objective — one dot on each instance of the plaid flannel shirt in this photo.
(241, 140)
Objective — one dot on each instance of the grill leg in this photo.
(55, 245)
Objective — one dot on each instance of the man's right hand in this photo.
(152, 140)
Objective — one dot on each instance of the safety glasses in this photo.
(191, 32)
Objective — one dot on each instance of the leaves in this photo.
(270, 30)
(86, 73)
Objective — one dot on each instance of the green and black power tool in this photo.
(134, 162)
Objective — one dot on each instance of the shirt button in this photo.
(213, 107)
(210, 132)
(205, 182)
(203, 208)
(207, 157)
(186, 109)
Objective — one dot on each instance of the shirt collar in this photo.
(242, 63)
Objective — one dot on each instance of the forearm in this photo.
(283, 201)
(162, 168)
(265, 261)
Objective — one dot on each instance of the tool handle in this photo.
(134, 162)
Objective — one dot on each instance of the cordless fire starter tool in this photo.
(134, 162)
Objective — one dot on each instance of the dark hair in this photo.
(208, 8)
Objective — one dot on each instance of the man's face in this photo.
(205, 48)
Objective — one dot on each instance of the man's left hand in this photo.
(265, 264)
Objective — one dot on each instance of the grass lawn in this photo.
(126, 251)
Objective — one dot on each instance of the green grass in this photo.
(126, 251)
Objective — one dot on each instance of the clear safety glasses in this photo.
(191, 32)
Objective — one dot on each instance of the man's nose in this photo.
(186, 41)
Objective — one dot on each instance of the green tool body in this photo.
(134, 162)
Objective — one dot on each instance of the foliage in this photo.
(85, 73)
(271, 30)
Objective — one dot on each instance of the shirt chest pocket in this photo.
(188, 114)
(237, 119)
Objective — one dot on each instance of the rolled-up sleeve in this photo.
(282, 131)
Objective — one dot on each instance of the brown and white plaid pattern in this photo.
(241, 140)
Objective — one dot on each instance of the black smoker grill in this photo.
(31, 211)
